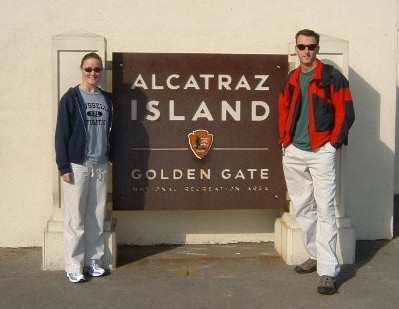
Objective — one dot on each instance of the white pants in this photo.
(310, 178)
(84, 209)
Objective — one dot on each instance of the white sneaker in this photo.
(94, 270)
(76, 277)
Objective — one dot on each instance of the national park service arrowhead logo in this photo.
(200, 142)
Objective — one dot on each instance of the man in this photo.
(315, 115)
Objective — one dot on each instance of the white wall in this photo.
(225, 26)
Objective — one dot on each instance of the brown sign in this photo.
(197, 131)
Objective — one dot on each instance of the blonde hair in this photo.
(89, 56)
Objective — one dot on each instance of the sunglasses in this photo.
(310, 46)
(96, 70)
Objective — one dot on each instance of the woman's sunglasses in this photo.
(96, 70)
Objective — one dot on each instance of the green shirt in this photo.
(301, 132)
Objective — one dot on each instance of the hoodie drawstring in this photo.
(96, 171)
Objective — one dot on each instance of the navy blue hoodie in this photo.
(71, 129)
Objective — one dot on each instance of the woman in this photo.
(83, 145)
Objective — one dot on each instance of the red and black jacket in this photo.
(331, 112)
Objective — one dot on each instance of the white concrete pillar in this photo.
(67, 51)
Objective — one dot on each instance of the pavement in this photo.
(233, 276)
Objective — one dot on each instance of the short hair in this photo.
(89, 56)
(308, 32)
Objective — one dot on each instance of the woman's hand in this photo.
(68, 177)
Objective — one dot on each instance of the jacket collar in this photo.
(294, 78)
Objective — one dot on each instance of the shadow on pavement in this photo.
(129, 253)
(367, 249)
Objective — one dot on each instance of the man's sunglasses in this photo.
(97, 70)
(310, 46)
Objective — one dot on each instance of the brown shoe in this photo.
(307, 267)
(327, 285)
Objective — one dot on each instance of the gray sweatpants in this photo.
(84, 204)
